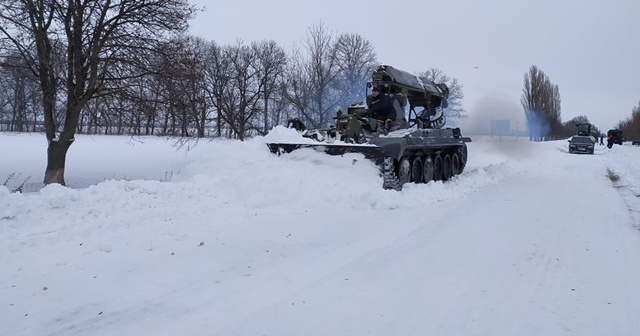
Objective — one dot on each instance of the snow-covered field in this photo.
(227, 239)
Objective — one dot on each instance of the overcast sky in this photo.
(590, 48)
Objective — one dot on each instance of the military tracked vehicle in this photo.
(584, 129)
(414, 149)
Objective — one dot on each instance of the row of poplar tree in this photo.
(542, 107)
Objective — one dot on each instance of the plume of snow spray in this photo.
(539, 128)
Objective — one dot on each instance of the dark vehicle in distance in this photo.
(614, 136)
(581, 144)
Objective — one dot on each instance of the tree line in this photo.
(191, 87)
(541, 102)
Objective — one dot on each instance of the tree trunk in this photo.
(219, 123)
(266, 113)
(56, 158)
(165, 125)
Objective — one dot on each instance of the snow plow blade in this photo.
(373, 153)
(378, 155)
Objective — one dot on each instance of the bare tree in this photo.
(5, 103)
(270, 62)
(296, 87)
(279, 109)
(355, 60)
(145, 94)
(631, 126)
(322, 71)
(182, 73)
(330, 73)
(541, 102)
(455, 110)
(19, 96)
(235, 88)
(97, 37)
(29, 23)
(217, 77)
(554, 110)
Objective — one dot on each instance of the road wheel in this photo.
(455, 164)
(404, 171)
(463, 156)
(446, 167)
(416, 170)
(427, 172)
(437, 167)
